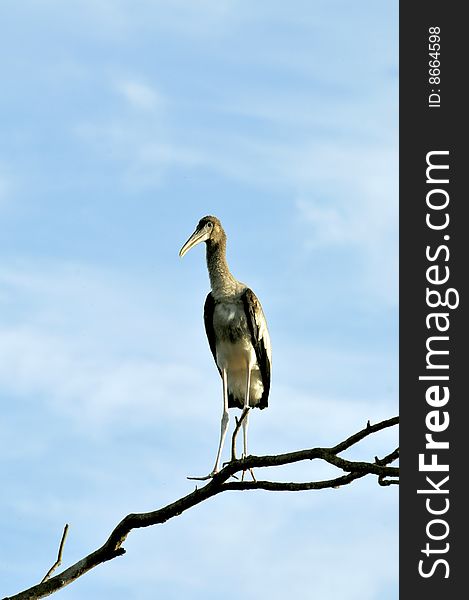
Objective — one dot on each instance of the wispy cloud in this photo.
(93, 391)
(118, 20)
(59, 341)
(138, 135)
(5, 187)
(354, 205)
(139, 95)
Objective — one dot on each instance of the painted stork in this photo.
(237, 334)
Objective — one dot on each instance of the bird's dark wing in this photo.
(260, 340)
(209, 308)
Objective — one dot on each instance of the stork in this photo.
(237, 335)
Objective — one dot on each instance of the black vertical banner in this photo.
(433, 299)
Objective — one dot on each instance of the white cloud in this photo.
(91, 348)
(140, 140)
(92, 389)
(140, 95)
(361, 205)
(354, 204)
(117, 20)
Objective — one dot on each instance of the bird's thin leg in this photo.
(246, 410)
(245, 444)
(224, 422)
(223, 428)
(245, 416)
(245, 435)
(245, 439)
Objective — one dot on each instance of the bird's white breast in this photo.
(234, 348)
(235, 352)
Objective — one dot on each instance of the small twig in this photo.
(58, 562)
(388, 459)
(360, 435)
(235, 432)
(206, 478)
(385, 482)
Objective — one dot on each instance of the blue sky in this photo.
(122, 123)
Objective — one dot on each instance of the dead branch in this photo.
(112, 548)
(58, 562)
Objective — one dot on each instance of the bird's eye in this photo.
(209, 225)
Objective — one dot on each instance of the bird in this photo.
(237, 334)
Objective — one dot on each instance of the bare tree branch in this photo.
(58, 562)
(112, 548)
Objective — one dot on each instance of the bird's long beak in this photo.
(196, 238)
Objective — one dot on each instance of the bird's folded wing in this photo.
(260, 340)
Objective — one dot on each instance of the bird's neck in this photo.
(222, 281)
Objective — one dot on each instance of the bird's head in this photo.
(208, 230)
